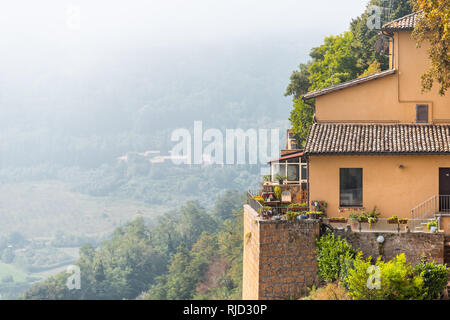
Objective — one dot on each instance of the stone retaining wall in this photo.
(280, 256)
(413, 245)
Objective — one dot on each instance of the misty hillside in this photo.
(85, 114)
(74, 165)
(130, 101)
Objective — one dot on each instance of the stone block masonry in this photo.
(279, 257)
(413, 245)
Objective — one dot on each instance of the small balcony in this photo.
(290, 168)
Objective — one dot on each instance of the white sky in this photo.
(170, 22)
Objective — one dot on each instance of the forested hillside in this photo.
(187, 254)
(78, 148)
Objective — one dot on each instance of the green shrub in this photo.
(332, 253)
(398, 281)
(346, 265)
(435, 277)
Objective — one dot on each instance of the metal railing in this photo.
(255, 205)
(426, 210)
(444, 204)
(383, 225)
(431, 208)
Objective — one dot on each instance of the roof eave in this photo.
(348, 84)
(396, 29)
(376, 153)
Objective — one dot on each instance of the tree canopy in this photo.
(434, 26)
(189, 253)
(340, 58)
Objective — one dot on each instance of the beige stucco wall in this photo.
(393, 190)
(445, 225)
(392, 98)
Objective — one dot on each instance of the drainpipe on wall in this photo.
(307, 157)
(390, 35)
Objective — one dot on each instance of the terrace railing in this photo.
(431, 208)
(426, 209)
(255, 205)
(383, 225)
(444, 204)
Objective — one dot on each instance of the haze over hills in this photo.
(74, 102)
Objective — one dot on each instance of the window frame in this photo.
(418, 107)
(361, 205)
(284, 164)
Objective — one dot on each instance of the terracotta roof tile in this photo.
(404, 23)
(377, 138)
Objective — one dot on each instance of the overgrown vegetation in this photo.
(397, 281)
(435, 277)
(350, 275)
(332, 253)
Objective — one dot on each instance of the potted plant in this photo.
(277, 191)
(371, 217)
(259, 199)
(363, 219)
(403, 220)
(393, 220)
(314, 214)
(266, 212)
(297, 206)
(291, 215)
(372, 221)
(266, 179)
(319, 205)
(280, 178)
(337, 220)
(432, 226)
(355, 218)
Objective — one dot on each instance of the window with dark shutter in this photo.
(422, 113)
